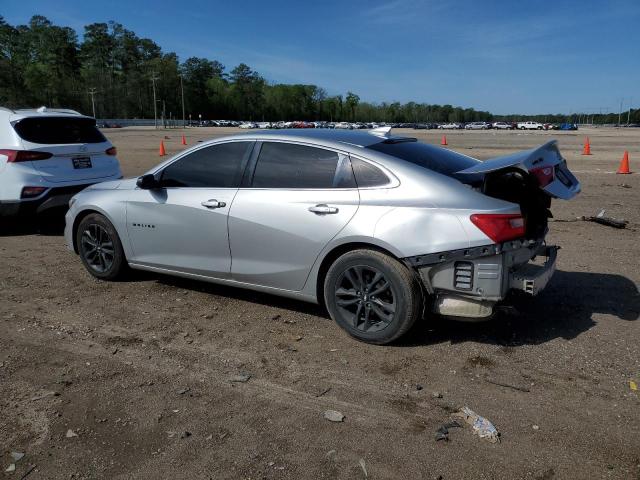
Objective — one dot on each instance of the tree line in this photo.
(114, 71)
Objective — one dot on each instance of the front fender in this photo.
(113, 210)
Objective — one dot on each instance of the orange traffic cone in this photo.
(624, 164)
(184, 140)
(444, 140)
(587, 147)
(162, 152)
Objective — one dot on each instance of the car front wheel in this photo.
(372, 296)
(99, 248)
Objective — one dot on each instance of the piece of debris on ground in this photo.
(333, 416)
(481, 426)
(443, 432)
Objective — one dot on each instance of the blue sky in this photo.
(501, 56)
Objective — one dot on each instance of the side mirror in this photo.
(148, 182)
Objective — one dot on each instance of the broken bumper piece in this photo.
(532, 278)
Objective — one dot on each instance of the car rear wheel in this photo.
(372, 296)
(100, 248)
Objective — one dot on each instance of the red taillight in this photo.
(499, 227)
(30, 192)
(545, 175)
(111, 151)
(24, 155)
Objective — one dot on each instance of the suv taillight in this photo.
(500, 227)
(14, 156)
(112, 151)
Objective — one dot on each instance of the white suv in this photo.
(47, 156)
(530, 126)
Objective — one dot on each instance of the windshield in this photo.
(58, 130)
(434, 158)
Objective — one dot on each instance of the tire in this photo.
(378, 319)
(100, 248)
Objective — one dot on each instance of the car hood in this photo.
(127, 184)
(122, 184)
(110, 185)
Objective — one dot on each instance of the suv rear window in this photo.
(427, 156)
(58, 130)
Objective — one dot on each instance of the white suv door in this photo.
(298, 199)
(182, 225)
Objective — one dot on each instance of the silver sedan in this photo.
(382, 230)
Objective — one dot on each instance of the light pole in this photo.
(92, 92)
(154, 77)
(182, 94)
(620, 111)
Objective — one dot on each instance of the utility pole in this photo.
(92, 92)
(154, 77)
(629, 112)
(182, 93)
(620, 111)
(164, 115)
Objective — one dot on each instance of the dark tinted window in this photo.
(285, 165)
(55, 130)
(437, 159)
(218, 166)
(368, 175)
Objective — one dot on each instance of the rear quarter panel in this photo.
(425, 213)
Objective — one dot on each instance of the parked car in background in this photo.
(503, 126)
(530, 126)
(246, 125)
(48, 155)
(343, 126)
(568, 126)
(477, 126)
(450, 126)
(380, 229)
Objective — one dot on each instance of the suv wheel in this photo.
(100, 248)
(372, 296)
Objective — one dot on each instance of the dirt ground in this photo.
(138, 379)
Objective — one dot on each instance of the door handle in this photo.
(213, 203)
(323, 209)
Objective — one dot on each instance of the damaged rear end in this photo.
(468, 283)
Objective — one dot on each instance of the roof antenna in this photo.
(383, 132)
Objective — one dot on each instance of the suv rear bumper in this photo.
(57, 197)
(468, 283)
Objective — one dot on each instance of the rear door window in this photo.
(368, 175)
(217, 166)
(286, 165)
(58, 130)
